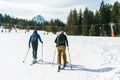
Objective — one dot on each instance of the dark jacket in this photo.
(61, 39)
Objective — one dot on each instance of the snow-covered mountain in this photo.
(39, 19)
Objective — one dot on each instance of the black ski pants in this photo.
(35, 47)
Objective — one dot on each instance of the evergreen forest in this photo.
(86, 23)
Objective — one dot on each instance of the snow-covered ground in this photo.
(92, 58)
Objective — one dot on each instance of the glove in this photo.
(67, 45)
(42, 42)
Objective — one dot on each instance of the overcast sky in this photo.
(49, 9)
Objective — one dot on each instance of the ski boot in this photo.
(58, 68)
(34, 61)
(64, 65)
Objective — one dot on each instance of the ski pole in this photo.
(26, 55)
(69, 57)
(54, 56)
(42, 53)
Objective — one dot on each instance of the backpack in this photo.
(34, 38)
(61, 39)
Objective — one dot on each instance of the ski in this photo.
(33, 63)
(36, 62)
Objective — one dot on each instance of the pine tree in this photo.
(97, 22)
(88, 20)
(105, 13)
(79, 28)
(72, 22)
(115, 17)
(91, 31)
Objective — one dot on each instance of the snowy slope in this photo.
(92, 58)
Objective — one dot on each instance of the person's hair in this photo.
(35, 30)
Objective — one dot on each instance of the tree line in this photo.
(95, 23)
(87, 22)
(11, 22)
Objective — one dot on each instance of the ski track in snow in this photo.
(92, 58)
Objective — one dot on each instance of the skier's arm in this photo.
(66, 41)
(40, 39)
(29, 41)
(56, 40)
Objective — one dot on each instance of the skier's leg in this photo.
(64, 56)
(34, 53)
(59, 58)
(36, 47)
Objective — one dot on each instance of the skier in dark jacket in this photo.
(34, 41)
(61, 43)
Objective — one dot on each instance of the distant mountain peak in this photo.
(39, 19)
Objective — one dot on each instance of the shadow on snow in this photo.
(80, 67)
